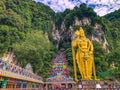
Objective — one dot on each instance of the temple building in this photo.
(12, 76)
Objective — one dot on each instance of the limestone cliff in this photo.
(63, 35)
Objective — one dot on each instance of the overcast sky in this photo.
(101, 7)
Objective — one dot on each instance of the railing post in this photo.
(66, 85)
(46, 86)
(42, 86)
(27, 85)
(15, 83)
(21, 85)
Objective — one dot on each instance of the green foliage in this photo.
(22, 16)
(10, 18)
(69, 20)
(58, 19)
(104, 61)
(89, 30)
(99, 56)
(113, 29)
(37, 50)
(113, 59)
(112, 32)
(113, 16)
(8, 36)
(4, 38)
(2, 6)
(114, 56)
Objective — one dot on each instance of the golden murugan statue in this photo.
(82, 51)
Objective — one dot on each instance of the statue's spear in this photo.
(74, 62)
(94, 71)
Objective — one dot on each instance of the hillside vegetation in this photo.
(23, 27)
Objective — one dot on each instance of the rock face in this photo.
(64, 35)
(9, 57)
(84, 21)
(99, 36)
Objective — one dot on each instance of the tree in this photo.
(36, 50)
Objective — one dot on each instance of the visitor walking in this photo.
(98, 86)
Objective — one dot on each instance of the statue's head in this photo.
(81, 31)
(77, 33)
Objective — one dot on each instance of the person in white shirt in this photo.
(98, 86)
(80, 85)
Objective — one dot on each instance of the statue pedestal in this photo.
(90, 84)
(105, 84)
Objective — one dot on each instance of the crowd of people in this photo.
(9, 67)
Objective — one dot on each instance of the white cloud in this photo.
(102, 10)
(102, 7)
